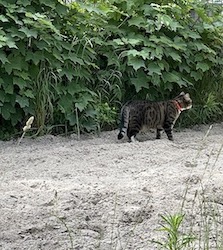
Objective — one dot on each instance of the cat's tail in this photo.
(124, 122)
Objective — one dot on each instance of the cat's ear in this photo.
(187, 95)
(182, 93)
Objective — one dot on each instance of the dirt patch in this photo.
(100, 193)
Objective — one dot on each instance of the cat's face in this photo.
(184, 100)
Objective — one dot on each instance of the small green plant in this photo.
(106, 116)
(212, 107)
(174, 239)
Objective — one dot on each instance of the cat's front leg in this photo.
(168, 127)
(131, 133)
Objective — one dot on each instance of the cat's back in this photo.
(146, 114)
(137, 105)
(146, 106)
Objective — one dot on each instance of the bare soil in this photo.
(101, 193)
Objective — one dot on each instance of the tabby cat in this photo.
(144, 115)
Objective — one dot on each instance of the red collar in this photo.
(178, 105)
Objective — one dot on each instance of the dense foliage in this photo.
(71, 65)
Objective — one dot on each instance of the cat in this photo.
(141, 115)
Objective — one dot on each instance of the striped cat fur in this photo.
(142, 115)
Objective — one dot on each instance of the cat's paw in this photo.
(133, 139)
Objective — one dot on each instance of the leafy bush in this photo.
(62, 62)
(106, 116)
(168, 48)
(47, 62)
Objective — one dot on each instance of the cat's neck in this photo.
(178, 105)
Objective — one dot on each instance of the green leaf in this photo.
(74, 88)
(29, 32)
(57, 55)
(159, 51)
(21, 83)
(29, 93)
(22, 101)
(165, 40)
(11, 43)
(8, 86)
(192, 34)
(72, 119)
(201, 46)
(68, 73)
(3, 19)
(48, 3)
(83, 101)
(134, 42)
(132, 52)
(112, 58)
(155, 54)
(7, 109)
(137, 21)
(2, 96)
(175, 26)
(36, 57)
(118, 41)
(18, 116)
(3, 57)
(23, 2)
(156, 79)
(148, 9)
(184, 67)
(136, 63)
(179, 43)
(154, 68)
(155, 39)
(80, 105)
(60, 9)
(196, 75)
(15, 33)
(141, 81)
(170, 77)
(165, 20)
(144, 53)
(42, 45)
(66, 104)
(15, 18)
(16, 62)
(173, 54)
(3, 40)
(199, 57)
(75, 59)
(5, 112)
(24, 75)
(47, 24)
(203, 66)
(209, 26)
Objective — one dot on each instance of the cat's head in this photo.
(184, 101)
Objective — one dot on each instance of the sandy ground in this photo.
(100, 193)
